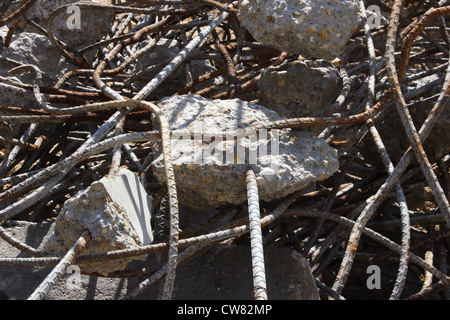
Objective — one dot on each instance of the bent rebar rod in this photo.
(66, 164)
(180, 57)
(375, 201)
(170, 276)
(167, 156)
(256, 243)
(405, 116)
(404, 257)
(61, 267)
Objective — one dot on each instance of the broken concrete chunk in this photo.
(300, 89)
(117, 213)
(311, 28)
(77, 25)
(210, 168)
(35, 49)
(127, 192)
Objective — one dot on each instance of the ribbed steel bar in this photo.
(165, 135)
(405, 115)
(404, 258)
(170, 276)
(256, 243)
(144, 250)
(375, 201)
(373, 235)
(182, 55)
(63, 165)
(60, 269)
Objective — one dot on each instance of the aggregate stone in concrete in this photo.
(222, 272)
(300, 88)
(311, 28)
(207, 177)
(117, 213)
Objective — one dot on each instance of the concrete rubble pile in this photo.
(272, 62)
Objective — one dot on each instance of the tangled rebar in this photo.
(95, 118)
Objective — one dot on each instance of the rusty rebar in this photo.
(60, 269)
(77, 136)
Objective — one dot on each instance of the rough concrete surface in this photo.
(300, 88)
(223, 272)
(36, 49)
(93, 22)
(206, 180)
(311, 28)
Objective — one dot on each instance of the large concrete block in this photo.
(207, 178)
